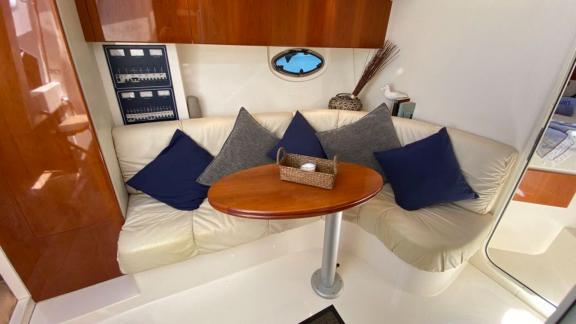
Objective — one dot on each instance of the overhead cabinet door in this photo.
(164, 21)
(311, 23)
(321, 23)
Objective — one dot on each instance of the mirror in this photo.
(535, 241)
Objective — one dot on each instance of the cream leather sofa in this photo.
(434, 239)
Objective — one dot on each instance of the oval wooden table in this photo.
(259, 193)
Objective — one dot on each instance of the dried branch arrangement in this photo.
(381, 58)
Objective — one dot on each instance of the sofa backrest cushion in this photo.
(425, 173)
(247, 146)
(137, 145)
(299, 138)
(212, 132)
(171, 176)
(356, 142)
(322, 119)
(485, 163)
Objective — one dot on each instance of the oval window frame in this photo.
(298, 76)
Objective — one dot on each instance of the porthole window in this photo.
(297, 62)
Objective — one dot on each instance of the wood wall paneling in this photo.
(60, 219)
(312, 23)
(546, 188)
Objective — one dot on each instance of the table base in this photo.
(325, 281)
(326, 292)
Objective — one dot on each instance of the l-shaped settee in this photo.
(434, 239)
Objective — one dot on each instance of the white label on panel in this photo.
(126, 95)
(146, 94)
(163, 93)
(156, 52)
(136, 52)
(116, 52)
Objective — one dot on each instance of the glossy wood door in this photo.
(166, 21)
(313, 23)
(60, 219)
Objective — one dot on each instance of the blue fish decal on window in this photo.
(298, 62)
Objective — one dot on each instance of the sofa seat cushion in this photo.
(434, 239)
(154, 234)
(281, 225)
(215, 231)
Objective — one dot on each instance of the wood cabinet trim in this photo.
(89, 20)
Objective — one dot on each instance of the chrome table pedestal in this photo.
(326, 282)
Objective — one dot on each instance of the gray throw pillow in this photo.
(245, 147)
(358, 141)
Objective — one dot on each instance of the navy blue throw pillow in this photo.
(425, 172)
(171, 176)
(299, 138)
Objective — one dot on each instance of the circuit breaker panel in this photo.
(142, 81)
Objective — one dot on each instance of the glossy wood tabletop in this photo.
(259, 193)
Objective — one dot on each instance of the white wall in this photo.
(485, 66)
(224, 78)
(94, 94)
(531, 228)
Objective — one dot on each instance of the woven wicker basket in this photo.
(289, 164)
(345, 101)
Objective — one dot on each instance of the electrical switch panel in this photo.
(142, 81)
